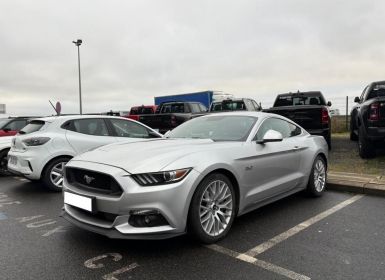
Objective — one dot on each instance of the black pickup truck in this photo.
(169, 115)
(308, 109)
(367, 119)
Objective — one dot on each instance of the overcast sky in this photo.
(135, 50)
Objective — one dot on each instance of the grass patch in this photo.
(344, 157)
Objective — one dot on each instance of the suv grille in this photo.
(93, 181)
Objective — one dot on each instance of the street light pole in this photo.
(78, 42)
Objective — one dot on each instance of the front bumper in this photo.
(170, 201)
(113, 233)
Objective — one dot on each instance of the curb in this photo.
(356, 183)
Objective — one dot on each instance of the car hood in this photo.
(148, 156)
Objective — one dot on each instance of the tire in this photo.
(317, 179)
(366, 148)
(206, 221)
(53, 174)
(4, 162)
(353, 135)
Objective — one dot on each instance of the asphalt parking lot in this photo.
(338, 236)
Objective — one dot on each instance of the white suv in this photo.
(45, 145)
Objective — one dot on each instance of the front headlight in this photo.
(161, 178)
(36, 141)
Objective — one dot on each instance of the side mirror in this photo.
(357, 99)
(271, 136)
(329, 104)
(6, 130)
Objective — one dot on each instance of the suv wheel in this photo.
(365, 146)
(4, 162)
(53, 174)
(353, 135)
(213, 209)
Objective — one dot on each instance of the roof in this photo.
(257, 114)
(71, 117)
(378, 83)
(301, 92)
(231, 99)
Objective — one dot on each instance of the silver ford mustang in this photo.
(198, 179)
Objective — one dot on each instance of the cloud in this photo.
(135, 50)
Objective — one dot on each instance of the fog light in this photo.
(146, 218)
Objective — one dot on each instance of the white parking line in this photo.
(262, 264)
(298, 228)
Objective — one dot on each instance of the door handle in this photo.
(296, 148)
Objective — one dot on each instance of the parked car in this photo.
(171, 114)
(136, 111)
(11, 126)
(235, 104)
(308, 109)
(5, 145)
(209, 170)
(42, 148)
(367, 119)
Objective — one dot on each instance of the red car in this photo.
(141, 110)
(11, 126)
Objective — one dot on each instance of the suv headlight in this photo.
(161, 178)
(36, 141)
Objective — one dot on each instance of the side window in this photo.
(202, 107)
(274, 124)
(195, 108)
(96, 127)
(249, 105)
(16, 125)
(166, 109)
(362, 98)
(128, 128)
(255, 105)
(294, 130)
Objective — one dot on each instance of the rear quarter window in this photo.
(32, 126)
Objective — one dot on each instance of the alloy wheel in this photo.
(56, 174)
(319, 175)
(216, 208)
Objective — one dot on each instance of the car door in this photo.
(88, 133)
(275, 165)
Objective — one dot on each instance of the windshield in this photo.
(33, 126)
(377, 91)
(3, 122)
(298, 100)
(172, 108)
(142, 111)
(217, 128)
(228, 106)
